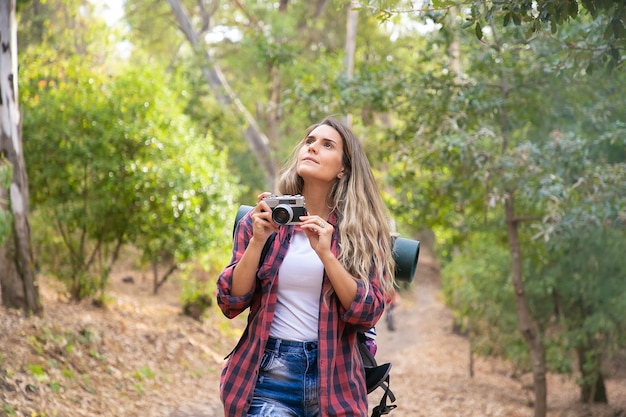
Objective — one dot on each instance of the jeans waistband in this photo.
(282, 345)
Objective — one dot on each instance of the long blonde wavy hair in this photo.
(363, 220)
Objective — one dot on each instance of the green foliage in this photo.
(9, 410)
(55, 387)
(38, 372)
(476, 286)
(113, 161)
(66, 28)
(603, 42)
(518, 122)
(586, 271)
(197, 298)
(144, 373)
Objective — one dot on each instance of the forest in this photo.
(496, 130)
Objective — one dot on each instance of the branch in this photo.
(254, 136)
(159, 283)
(517, 220)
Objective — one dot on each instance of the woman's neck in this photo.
(316, 202)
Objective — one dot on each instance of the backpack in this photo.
(375, 375)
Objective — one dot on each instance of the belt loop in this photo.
(276, 344)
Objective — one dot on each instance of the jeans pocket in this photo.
(267, 360)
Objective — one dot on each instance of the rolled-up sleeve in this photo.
(368, 305)
(232, 306)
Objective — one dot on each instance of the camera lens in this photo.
(282, 214)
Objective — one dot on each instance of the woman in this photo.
(318, 284)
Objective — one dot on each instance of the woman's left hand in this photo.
(319, 232)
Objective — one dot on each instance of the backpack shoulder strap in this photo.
(382, 408)
(376, 376)
(266, 248)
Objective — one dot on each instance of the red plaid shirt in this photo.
(342, 388)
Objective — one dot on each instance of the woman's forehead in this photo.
(326, 132)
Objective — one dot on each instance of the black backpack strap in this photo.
(382, 408)
(243, 210)
(266, 248)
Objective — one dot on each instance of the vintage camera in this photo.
(405, 251)
(286, 209)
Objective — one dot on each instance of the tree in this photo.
(128, 168)
(602, 44)
(17, 266)
(584, 235)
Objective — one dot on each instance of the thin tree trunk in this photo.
(592, 388)
(256, 139)
(273, 113)
(350, 47)
(470, 338)
(158, 282)
(454, 48)
(17, 267)
(526, 324)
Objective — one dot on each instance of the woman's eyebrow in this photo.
(323, 138)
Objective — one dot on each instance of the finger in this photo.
(262, 207)
(263, 195)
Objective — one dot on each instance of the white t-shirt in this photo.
(299, 289)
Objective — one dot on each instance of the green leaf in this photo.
(479, 31)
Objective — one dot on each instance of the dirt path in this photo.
(430, 367)
(430, 364)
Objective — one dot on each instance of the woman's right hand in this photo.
(262, 223)
(246, 269)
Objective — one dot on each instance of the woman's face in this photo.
(321, 155)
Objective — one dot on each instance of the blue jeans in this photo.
(288, 381)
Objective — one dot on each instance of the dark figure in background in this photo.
(390, 315)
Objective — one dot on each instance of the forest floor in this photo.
(140, 357)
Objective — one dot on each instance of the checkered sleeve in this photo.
(232, 306)
(368, 305)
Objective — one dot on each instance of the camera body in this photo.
(286, 209)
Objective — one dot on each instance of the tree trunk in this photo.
(526, 324)
(158, 282)
(454, 48)
(256, 139)
(350, 47)
(592, 388)
(17, 268)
